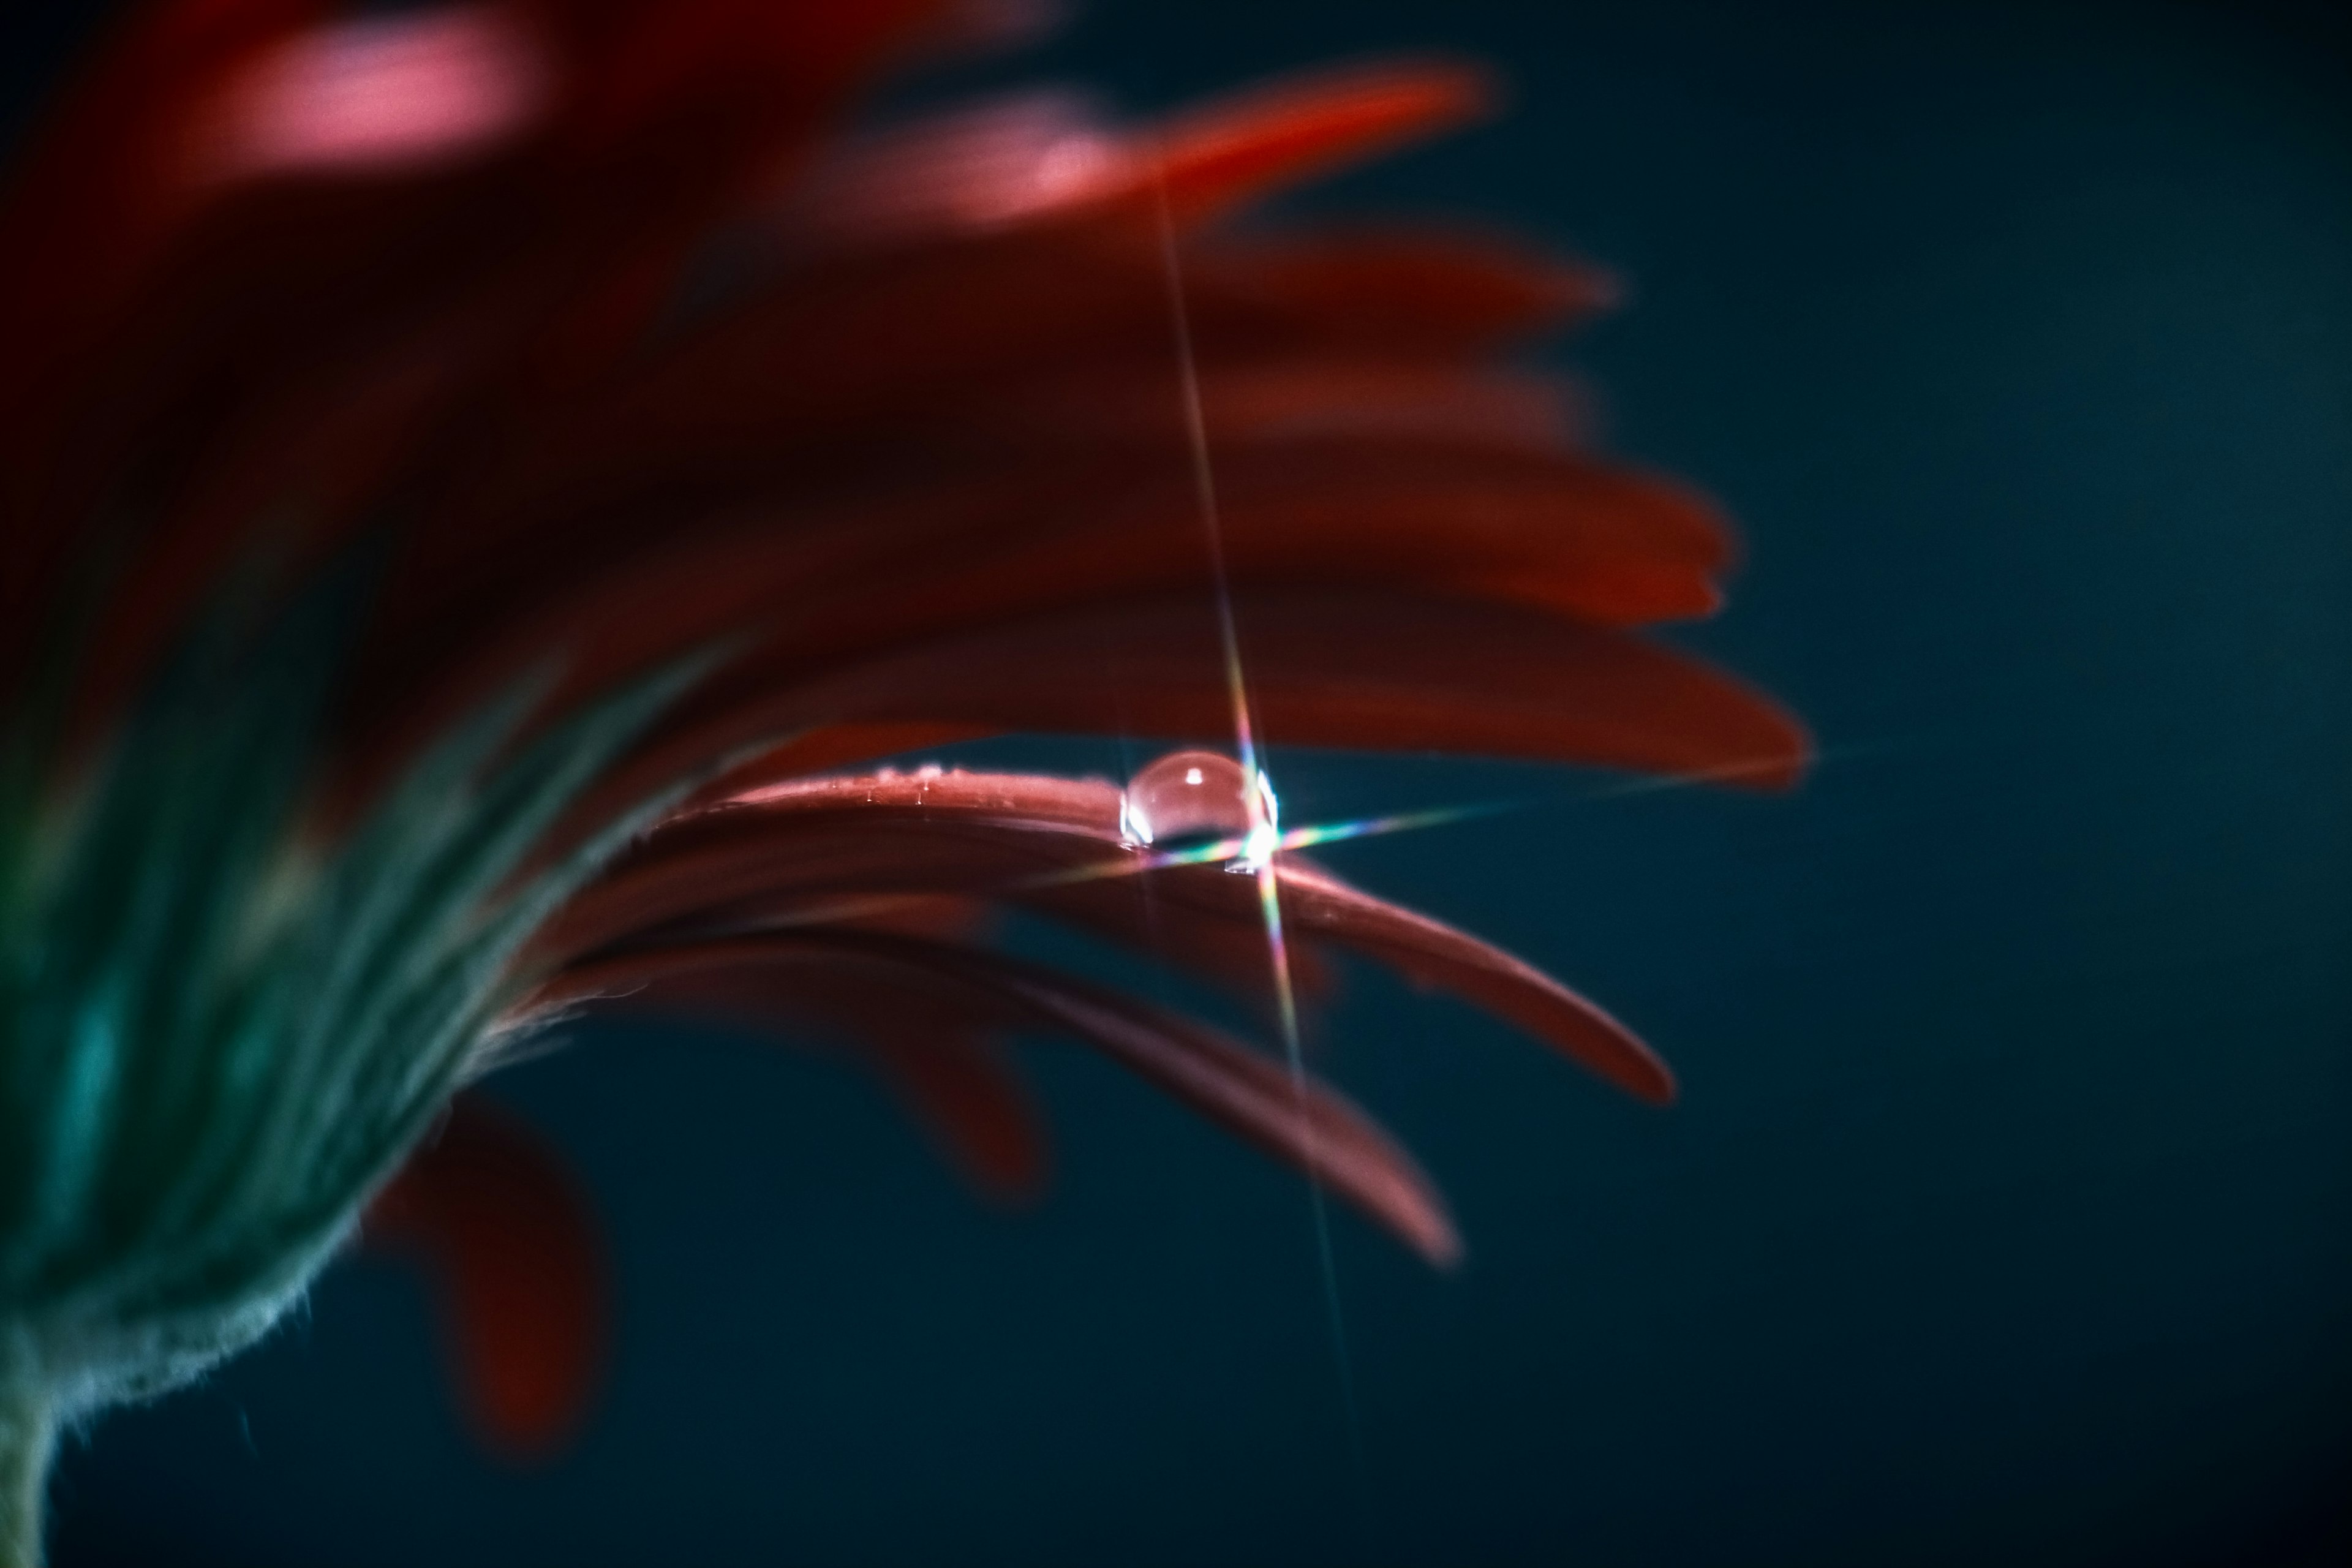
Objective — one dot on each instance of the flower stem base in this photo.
(28, 1438)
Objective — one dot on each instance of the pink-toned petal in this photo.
(846, 848)
(376, 94)
(971, 169)
(825, 750)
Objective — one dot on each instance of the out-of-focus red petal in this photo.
(639, 65)
(968, 170)
(670, 112)
(962, 1090)
(930, 341)
(1365, 671)
(81, 221)
(1305, 1124)
(933, 352)
(1031, 158)
(82, 210)
(1588, 540)
(1437, 955)
(1600, 543)
(1236, 150)
(677, 113)
(374, 94)
(935, 1052)
(1418, 291)
(1383, 672)
(1114, 405)
(518, 1266)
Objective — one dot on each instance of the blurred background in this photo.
(2008, 1212)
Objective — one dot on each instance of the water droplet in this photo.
(1197, 796)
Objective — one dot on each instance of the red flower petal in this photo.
(1332, 669)
(1364, 671)
(1305, 1124)
(938, 1053)
(377, 93)
(514, 1252)
(930, 478)
(1236, 150)
(829, 851)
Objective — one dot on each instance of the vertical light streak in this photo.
(1261, 839)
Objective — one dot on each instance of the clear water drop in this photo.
(1199, 797)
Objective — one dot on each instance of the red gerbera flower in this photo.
(474, 477)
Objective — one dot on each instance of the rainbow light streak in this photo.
(1257, 797)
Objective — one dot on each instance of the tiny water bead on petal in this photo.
(1189, 798)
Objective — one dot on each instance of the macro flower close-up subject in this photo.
(499, 502)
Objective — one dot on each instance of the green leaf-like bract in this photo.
(217, 1038)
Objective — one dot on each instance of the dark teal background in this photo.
(2008, 1214)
